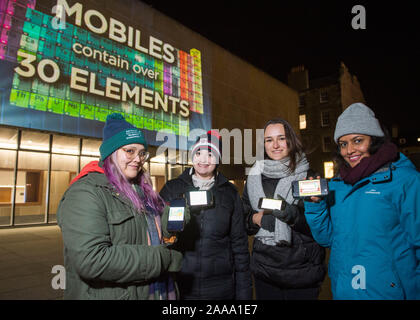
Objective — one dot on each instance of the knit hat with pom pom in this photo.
(118, 132)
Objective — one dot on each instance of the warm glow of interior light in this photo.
(66, 151)
(328, 169)
(302, 121)
(8, 145)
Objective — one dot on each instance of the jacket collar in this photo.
(382, 175)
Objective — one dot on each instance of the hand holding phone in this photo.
(177, 209)
(310, 188)
(199, 198)
(271, 204)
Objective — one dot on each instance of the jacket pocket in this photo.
(119, 215)
(108, 293)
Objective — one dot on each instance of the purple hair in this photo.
(120, 182)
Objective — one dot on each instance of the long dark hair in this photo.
(293, 142)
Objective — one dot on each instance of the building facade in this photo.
(321, 101)
(67, 64)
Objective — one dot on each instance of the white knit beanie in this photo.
(357, 119)
(210, 141)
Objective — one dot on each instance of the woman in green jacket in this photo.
(111, 225)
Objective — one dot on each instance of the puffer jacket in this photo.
(373, 230)
(301, 265)
(214, 244)
(106, 251)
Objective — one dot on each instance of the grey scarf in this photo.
(202, 184)
(278, 169)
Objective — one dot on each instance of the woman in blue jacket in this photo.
(371, 217)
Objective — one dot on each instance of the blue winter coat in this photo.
(373, 230)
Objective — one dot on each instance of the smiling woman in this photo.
(216, 231)
(280, 269)
(371, 218)
(110, 218)
(354, 147)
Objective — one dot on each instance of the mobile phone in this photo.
(199, 198)
(310, 188)
(176, 215)
(271, 204)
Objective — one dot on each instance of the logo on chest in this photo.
(372, 191)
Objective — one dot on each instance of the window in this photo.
(90, 147)
(31, 186)
(328, 169)
(302, 121)
(35, 141)
(301, 101)
(325, 118)
(326, 144)
(67, 145)
(8, 138)
(63, 169)
(323, 96)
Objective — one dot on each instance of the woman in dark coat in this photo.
(214, 243)
(286, 262)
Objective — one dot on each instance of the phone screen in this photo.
(309, 188)
(198, 198)
(176, 214)
(271, 204)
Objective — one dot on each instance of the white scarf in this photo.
(278, 169)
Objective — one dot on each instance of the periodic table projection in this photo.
(87, 64)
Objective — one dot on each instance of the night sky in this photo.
(276, 35)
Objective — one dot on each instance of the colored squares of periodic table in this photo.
(28, 30)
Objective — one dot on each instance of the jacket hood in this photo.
(92, 166)
(403, 162)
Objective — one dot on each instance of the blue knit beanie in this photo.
(118, 132)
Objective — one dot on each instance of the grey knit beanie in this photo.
(357, 118)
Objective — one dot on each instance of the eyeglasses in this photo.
(132, 153)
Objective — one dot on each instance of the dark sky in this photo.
(277, 35)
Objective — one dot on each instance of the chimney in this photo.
(298, 78)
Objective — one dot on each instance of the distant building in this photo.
(408, 141)
(321, 101)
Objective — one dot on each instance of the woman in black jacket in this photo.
(286, 262)
(214, 243)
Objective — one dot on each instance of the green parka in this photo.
(106, 251)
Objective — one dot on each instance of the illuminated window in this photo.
(67, 145)
(8, 138)
(328, 169)
(91, 147)
(35, 141)
(302, 121)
